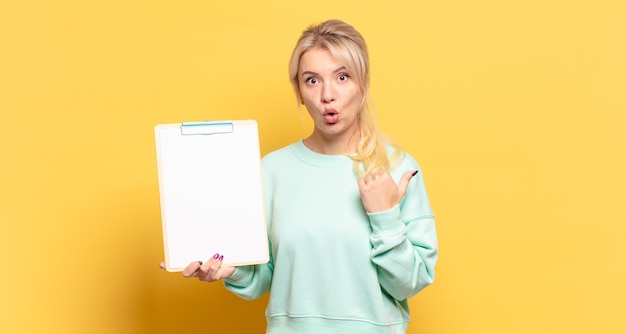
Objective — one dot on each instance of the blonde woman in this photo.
(352, 235)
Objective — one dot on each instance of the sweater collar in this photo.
(317, 159)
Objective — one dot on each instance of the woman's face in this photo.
(329, 92)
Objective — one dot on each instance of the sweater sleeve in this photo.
(404, 243)
(250, 282)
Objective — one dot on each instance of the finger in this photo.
(361, 182)
(403, 184)
(191, 269)
(162, 265)
(209, 271)
(208, 264)
(215, 266)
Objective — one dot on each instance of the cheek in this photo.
(307, 100)
(356, 98)
(310, 107)
(305, 97)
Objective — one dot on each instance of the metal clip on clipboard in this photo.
(206, 127)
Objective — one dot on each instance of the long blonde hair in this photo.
(346, 43)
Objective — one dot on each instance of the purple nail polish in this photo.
(221, 257)
(414, 173)
(217, 255)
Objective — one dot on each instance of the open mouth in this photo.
(331, 116)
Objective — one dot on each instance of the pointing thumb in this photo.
(403, 184)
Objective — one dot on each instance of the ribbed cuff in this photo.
(240, 277)
(386, 222)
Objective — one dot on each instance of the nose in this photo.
(328, 94)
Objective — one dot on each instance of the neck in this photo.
(345, 143)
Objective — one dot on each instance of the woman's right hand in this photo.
(209, 271)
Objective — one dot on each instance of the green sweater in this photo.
(335, 268)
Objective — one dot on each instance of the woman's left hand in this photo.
(379, 191)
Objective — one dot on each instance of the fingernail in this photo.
(200, 262)
(221, 257)
(414, 173)
(217, 255)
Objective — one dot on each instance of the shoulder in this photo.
(277, 155)
(278, 159)
(408, 160)
(401, 159)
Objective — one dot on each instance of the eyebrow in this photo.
(342, 68)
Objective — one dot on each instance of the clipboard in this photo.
(211, 193)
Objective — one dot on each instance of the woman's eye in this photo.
(343, 77)
(311, 81)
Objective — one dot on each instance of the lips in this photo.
(331, 116)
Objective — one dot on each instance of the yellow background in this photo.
(515, 110)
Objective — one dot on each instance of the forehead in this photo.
(320, 60)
